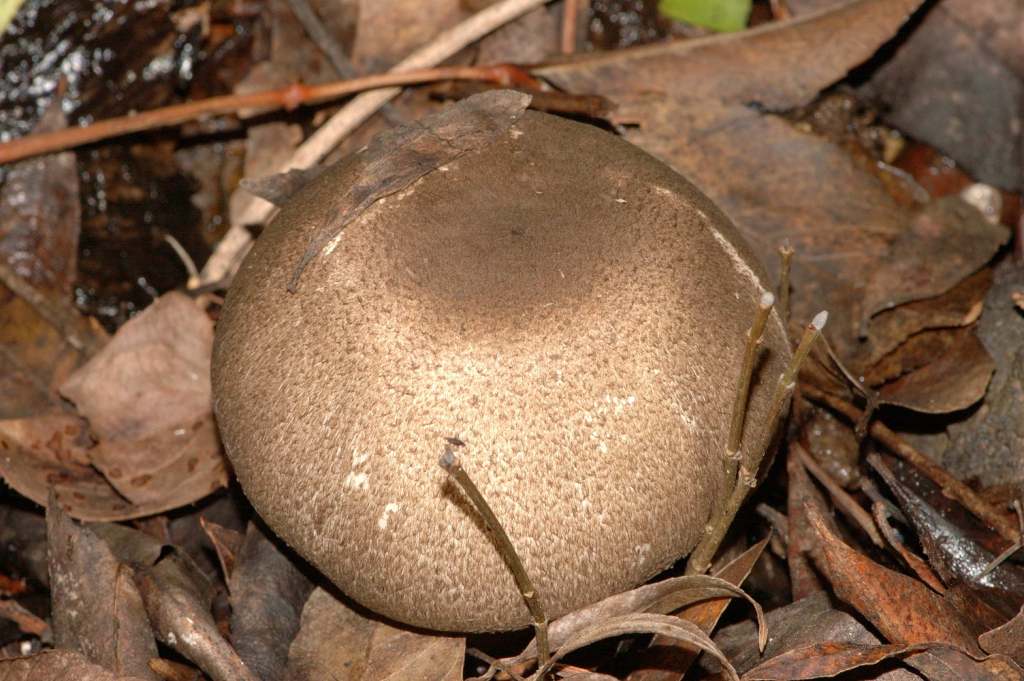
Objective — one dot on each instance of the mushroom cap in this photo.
(566, 305)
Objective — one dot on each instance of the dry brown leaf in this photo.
(388, 30)
(56, 665)
(147, 397)
(768, 65)
(97, 610)
(226, 542)
(268, 591)
(954, 380)
(821, 660)
(957, 83)
(801, 495)
(1007, 639)
(640, 623)
(667, 659)
(901, 608)
(338, 642)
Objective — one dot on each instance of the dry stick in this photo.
(235, 243)
(951, 487)
(323, 39)
(739, 407)
(570, 22)
(288, 98)
(450, 463)
(842, 498)
(786, 256)
(1012, 548)
(701, 558)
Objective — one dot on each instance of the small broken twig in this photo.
(451, 464)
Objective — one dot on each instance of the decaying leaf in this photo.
(901, 608)
(56, 665)
(821, 660)
(337, 641)
(147, 397)
(768, 65)
(268, 591)
(1007, 639)
(97, 609)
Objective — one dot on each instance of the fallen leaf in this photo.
(97, 610)
(901, 608)
(226, 542)
(56, 665)
(821, 660)
(640, 623)
(268, 591)
(802, 494)
(768, 65)
(952, 381)
(956, 83)
(806, 622)
(667, 659)
(147, 397)
(1007, 639)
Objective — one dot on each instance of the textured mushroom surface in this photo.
(564, 304)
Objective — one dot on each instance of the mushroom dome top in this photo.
(568, 307)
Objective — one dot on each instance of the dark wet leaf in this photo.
(97, 609)
(952, 381)
(56, 665)
(147, 397)
(965, 101)
(955, 556)
(131, 546)
(901, 608)
(178, 602)
(668, 659)
(768, 65)
(267, 594)
(399, 157)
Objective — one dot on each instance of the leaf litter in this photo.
(904, 582)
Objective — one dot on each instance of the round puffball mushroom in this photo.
(559, 301)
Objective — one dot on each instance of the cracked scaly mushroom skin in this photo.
(566, 305)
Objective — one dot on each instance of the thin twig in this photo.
(951, 487)
(739, 407)
(289, 98)
(323, 39)
(451, 464)
(571, 10)
(842, 498)
(186, 260)
(700, 560)
(1012, 548)
(785, 267)
(229, 252)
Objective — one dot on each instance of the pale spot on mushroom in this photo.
(620, 200)
(661, 190)
(359, 458)
(602, 447)
(641, 550)
(515, 133)
(389, 508)
(356, 480)
(443, 169)
(334, 243)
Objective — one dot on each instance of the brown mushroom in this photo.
(564, 304)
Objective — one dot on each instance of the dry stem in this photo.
(951, 487)
(739, 407)
(451, 464)
(700, 560)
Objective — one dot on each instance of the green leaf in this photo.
(718, 15)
